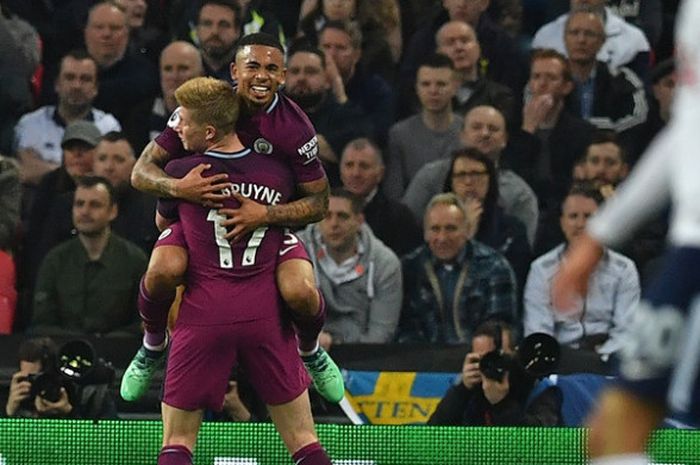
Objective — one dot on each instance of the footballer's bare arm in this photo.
(148, 176)
(311, 207)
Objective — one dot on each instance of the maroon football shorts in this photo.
(201, 359)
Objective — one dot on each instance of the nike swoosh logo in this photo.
(287, 249)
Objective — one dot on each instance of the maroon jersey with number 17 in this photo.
(226, 282)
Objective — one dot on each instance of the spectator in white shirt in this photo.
(604, 314)
(38, 134)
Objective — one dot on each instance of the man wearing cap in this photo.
(78, 146)
(114, 159)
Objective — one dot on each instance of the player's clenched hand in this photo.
(205, 190)
(243, 220)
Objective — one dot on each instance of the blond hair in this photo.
(449, 199)
(210, 101)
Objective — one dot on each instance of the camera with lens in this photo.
(537, 355)
(78, 362)
(495, 364)
(45, 384)
(75, 362)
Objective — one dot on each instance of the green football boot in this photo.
(326, 375)
(138, 375)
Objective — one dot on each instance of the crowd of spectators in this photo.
(467, 142)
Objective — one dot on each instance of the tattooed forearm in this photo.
(148, 175)
(309, 209)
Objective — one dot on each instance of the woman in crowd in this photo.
(472, 176)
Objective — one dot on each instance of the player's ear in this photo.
(113, 211)
(283, 77)
(209, 132)
(233, 70)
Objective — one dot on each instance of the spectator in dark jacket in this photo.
(503, 62)
(477, 400)
(473, 177)
(351, 81)
(452, 283)
(38, 357)
(459, 42)
(336, 122)
(608, 98)
(362, 171)
(551, 138)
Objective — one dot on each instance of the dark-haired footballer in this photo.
(269, 122)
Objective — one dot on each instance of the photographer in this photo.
(39, 390)
(36, 356)
(481, 399)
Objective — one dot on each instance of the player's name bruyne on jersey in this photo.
(258, 192)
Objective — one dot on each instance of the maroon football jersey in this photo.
(218, 271)
(282, 130)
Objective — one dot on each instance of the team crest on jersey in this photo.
(262, 146)
(174, 118)
(166, 232)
